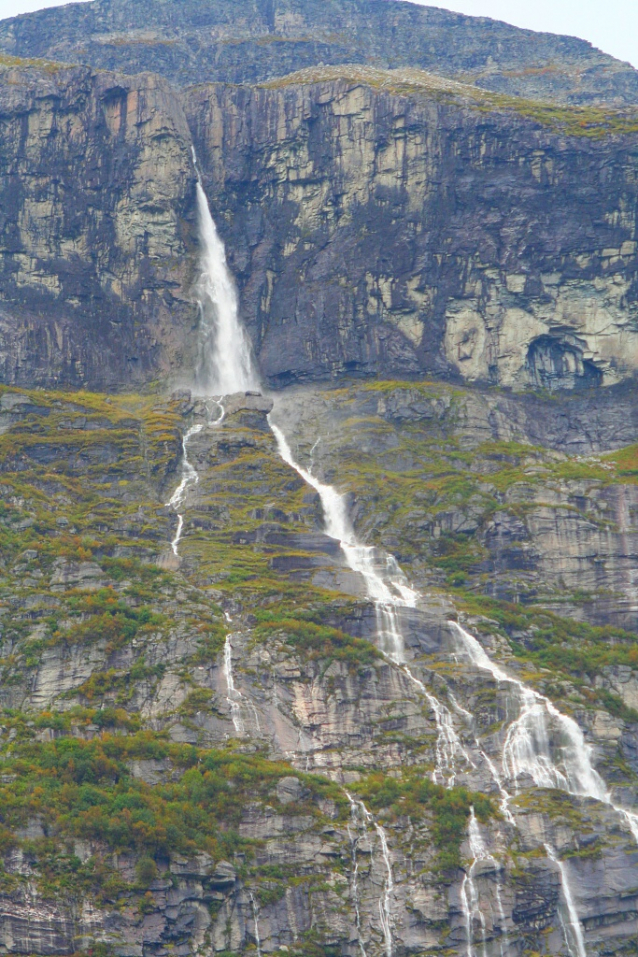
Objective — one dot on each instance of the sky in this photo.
(611, 25)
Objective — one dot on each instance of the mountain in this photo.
(249, 41)
(343, 665)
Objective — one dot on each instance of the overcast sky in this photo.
(611, 25)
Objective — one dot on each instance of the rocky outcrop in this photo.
(96, 193)
(247, 41)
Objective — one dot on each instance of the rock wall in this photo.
(390, 224)
(96, 194)
(177, 731)
(377, 223)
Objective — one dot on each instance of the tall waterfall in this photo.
(224, 363)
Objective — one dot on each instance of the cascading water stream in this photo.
(527, 747)
(354, 845)
(360, 814)
(385, 906)
(256, 922)
(189, 477)
(574, 921)
(224, 364)
(232, 694)
(480, 855)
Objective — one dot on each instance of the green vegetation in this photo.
(446, 810)
(590, 122)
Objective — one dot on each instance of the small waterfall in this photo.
(385, 906)
(189, 477)
(224, 363)
(575, 926)
(256, 921)
(232, 695)
(360, 814)
(472, 911)
(527, 744)
(449, 749)
(387, 588)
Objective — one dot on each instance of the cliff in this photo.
(368, 217)
(96, 193)
(177, 733)
(390, 223)
(223, 730)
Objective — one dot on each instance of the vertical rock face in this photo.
(96, 187)
(375, 230)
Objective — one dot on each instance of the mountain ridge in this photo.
(249, 41)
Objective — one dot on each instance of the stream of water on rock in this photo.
(189, 477)
(224, 366)
(527, 742)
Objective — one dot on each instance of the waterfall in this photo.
(256, 921)
(232, 694)
(527, 747)
(189, 477)
(355, 807)
(389, 590)
(527, 744)
(224, 366)
(472, 909)
(224, 363)
(574, 922)
(385, 906)
(358, 811)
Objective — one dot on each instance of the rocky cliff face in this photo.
(221, 732)
(382, 222)
(248, 41)
(96, 224)
(368, 218)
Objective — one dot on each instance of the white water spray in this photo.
(189, 477)
(385, 906)
(223, 363)
(256, 921)
(472, 909)
(386, 584)
(355, 818)
(528, 745)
